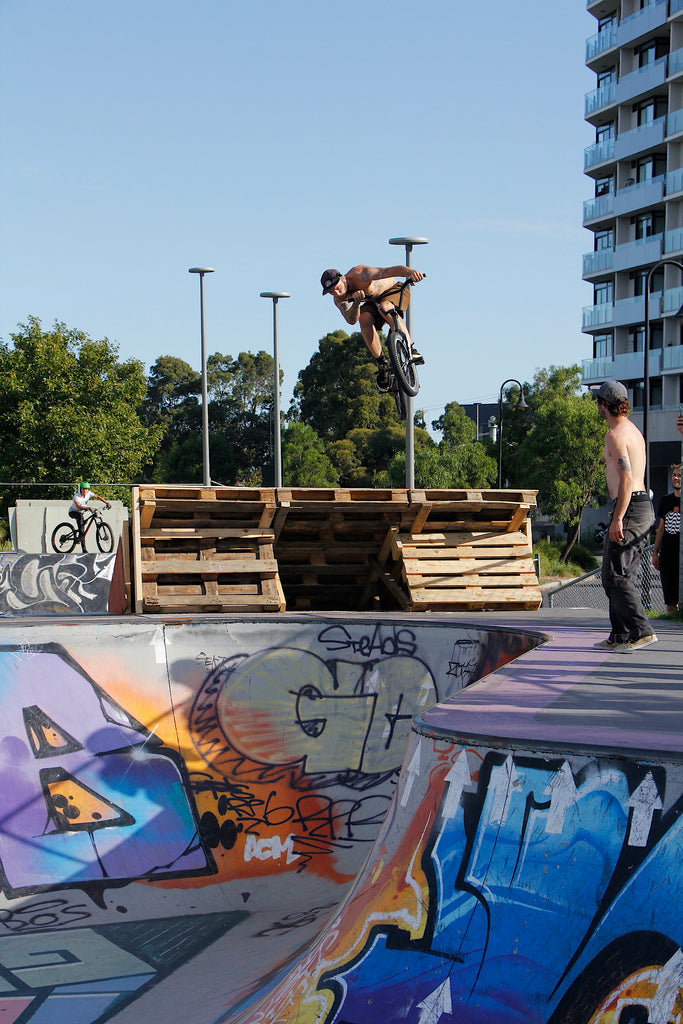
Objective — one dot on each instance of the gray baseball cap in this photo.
(612, 391)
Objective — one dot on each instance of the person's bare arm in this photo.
(618, 451)
(381, 273)
(350, 308)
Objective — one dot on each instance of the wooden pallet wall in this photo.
(332, 549)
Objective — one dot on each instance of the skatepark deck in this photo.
(339, 818)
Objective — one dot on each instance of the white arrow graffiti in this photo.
(669, 984)
(644, 801)
(458, 779)
(436, 1004)
(503, 780)
(563, 793)
(413, 771)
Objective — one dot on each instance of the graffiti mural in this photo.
(166, 787)
(532, 889)
(88, 797)
(55, 584)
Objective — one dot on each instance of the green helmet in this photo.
(84, 483)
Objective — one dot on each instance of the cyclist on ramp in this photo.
(79, 506)
(349, 291)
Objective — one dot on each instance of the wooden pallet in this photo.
(205, 550)
(237, 549)
(467, 570)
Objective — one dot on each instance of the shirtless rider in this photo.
(348, 292)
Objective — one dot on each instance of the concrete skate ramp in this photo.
(186, 805)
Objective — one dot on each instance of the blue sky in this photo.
(272, 140)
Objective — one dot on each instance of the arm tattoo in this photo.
(624, 465)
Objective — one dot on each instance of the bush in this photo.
(581, 559)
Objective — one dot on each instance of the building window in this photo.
(639, 278)
(602, 293)
(607, 21)
(603, 186)
(649, 224)
(606, 77)
(655, 391)
(604, 132)
(649, 110)
(602, 346)
(636, 338)
(649, 167)
(604, 240)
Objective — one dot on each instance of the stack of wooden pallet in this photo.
(202, 549)
(467, 549)
(239, 549)
(327, 546)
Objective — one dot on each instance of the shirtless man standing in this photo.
(348, 291)
(632, 519)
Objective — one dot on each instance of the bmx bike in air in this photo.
(404, 381)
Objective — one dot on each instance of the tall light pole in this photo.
(521, 404)
(205, 391)
(646, 359)
(277, 446)
(410, 425)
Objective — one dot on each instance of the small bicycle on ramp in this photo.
(65, 536)
(404, 382)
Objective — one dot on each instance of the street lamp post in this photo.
(410, 425)
(521, 404)
(205, 391)
(277, 445)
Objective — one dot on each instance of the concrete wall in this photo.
(32, 523)
(183, 806)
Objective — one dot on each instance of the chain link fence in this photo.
(586, 591)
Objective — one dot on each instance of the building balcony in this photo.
(675, 6)
(598, 153)
(674, 181)
(672, 357)
(642, 23)
(599, 98)
(639, 252)
(639, 140)
(597, 316)
(626, 366)
(628, 311)
(674, 122)
(600, 207)
(675, 63)
(597, 262)
(673, 241)
(642, 81)
(640, 196)
(601, 41)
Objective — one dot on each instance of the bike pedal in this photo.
(417, 359)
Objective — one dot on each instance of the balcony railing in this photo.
(598, 153)
(597, 316)
(601, 41)
(596, 262)
(599, 206)
(600, 97)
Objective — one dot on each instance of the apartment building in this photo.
(635, 213)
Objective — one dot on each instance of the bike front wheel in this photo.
(64, 538)
(403, 366)
(104, 538)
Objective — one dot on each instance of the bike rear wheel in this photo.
(64, 538)
(404, 368)
(105, 538)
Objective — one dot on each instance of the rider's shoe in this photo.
(383, 376)
(416, 357)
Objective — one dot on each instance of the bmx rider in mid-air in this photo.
(348, 293)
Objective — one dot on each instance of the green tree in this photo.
(304, 462)
(458, 460)
(68, 409)
(561, 455)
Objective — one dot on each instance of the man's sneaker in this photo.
(383, 376)
(609, 644)
(416, 357)
(635, 645)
